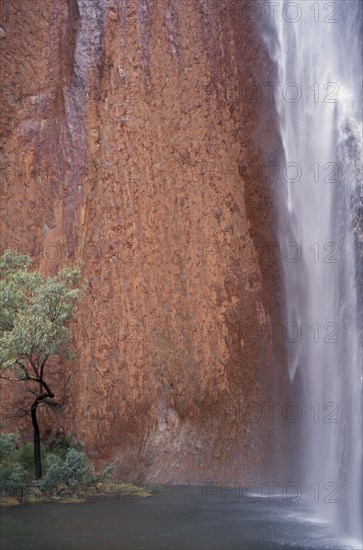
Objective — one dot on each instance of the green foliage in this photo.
(35, 311)
(79, 469)
(155, 488)
(62, 445)
(14, 481)
(56, 473)
(13, 477)
(7, 448)
(25, 456)
(69, 468)
(74, 470)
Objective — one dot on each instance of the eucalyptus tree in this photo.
(35, 311)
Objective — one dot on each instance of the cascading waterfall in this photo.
(316, 47)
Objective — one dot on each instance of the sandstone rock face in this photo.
(129, 129)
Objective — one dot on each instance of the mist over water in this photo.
(317, 50)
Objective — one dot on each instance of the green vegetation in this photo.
(34, 315)
(68, 474)
(66, 468)
(155, 488)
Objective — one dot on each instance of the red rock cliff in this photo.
(128, 127)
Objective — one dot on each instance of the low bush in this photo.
(14, 481)
(73, 471)
(154, 489)
(8, 444)
(64, 466)
(62, 445)
(25, 456)
(107, 473)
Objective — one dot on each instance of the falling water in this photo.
(317, 50)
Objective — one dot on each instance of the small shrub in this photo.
(7, 446)
(79, 469)
(108, 471)
(155, 488)
(62, 445)
(56, 473)
(14, 481)
(74, 471)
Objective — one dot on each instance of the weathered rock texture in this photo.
(128, 130)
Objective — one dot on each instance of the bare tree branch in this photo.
(33, 364)
(43, 365)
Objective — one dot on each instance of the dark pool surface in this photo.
(177, 518)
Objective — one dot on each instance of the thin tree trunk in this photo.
(37, 457)
(39, 398)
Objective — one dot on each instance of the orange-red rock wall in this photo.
(128, 127)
